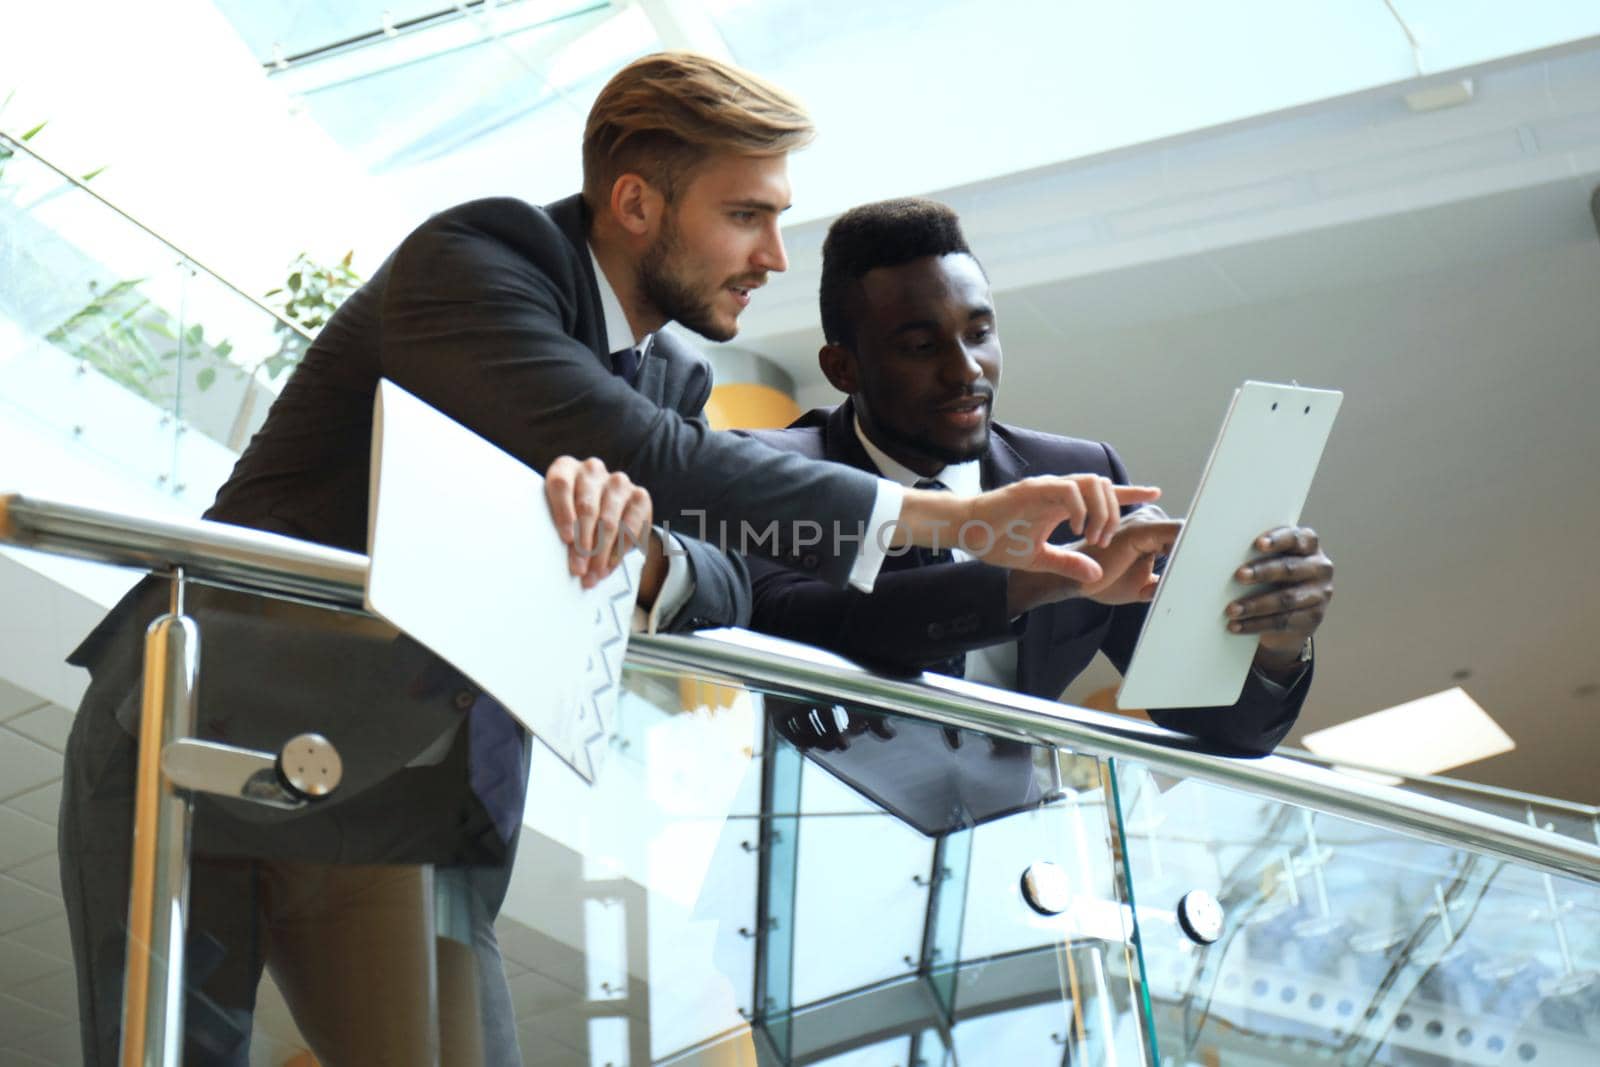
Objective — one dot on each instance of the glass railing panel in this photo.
(119, 355)
(910, 919)
(1346, 943)
(634, 900)
(1012, 955)
(811, 905)
(839, 900)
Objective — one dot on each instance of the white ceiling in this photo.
(1442, 269)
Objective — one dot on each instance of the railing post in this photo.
(158, 899)
(778, 857)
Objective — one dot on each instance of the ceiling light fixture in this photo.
(1424, 736)
(1439, 97)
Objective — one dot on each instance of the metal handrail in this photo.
(209, 551)
(15, 145)
(1454, 785)
(272, 563)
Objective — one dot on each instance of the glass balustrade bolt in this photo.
(1046, 888)
(1201, 917)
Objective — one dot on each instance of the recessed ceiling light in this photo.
(1436, 97)
(1425, 736)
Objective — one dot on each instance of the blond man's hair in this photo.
(663, 115)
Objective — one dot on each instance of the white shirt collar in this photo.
(962, 479)
(618, 333)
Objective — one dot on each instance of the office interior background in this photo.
(1394, 198)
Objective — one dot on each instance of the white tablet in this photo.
(1257, 478)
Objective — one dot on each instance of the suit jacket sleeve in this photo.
(721, 593)
(911, 620)
(1253, 726)
(479, 319)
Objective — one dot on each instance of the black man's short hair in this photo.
(885, 234)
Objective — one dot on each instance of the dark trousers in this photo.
(351, 946)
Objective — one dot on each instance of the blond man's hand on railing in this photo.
(600, 515)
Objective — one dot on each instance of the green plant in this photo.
(136, 344)
(6, 152)
(308, 297)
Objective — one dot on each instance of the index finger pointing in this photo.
(1136, 494)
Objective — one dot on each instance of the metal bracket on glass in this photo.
(1046, 888)
(1201, 917)
(306, 770)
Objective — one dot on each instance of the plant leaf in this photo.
(206, 378)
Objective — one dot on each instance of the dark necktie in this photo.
(955, 666)
(625, 364)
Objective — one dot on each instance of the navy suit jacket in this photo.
(918, 616)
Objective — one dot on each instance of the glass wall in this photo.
(120, 358)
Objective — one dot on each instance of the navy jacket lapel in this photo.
(572, 217)
(1001, 464)
(839, 440)
(652, 378)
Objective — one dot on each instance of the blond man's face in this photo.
(717, 243)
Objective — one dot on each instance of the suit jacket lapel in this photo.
(1001, 464)
(651, 380)
(839, 440)
(572, 218)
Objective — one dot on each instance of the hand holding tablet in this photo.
(1193, 651)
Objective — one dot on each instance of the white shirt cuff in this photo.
(875, 545)
(675, 587)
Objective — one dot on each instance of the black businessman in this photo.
(912, 339)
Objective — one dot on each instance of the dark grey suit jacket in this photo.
(490, 312)
(918, 616)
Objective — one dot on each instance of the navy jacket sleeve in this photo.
(1253, 726)
(721, 593)
(911, 620)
